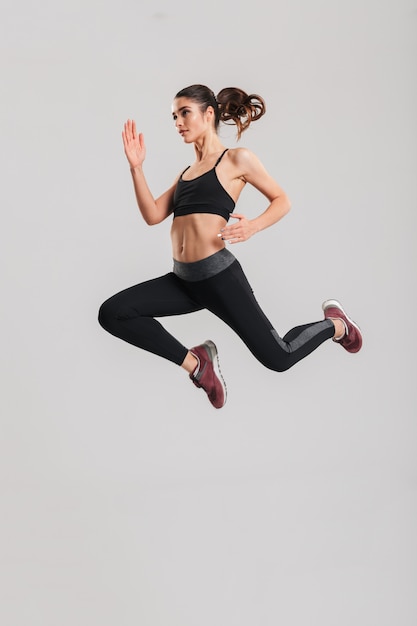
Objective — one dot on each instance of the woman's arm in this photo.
(153, 211)
(253, 172)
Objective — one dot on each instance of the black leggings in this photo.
(130, 315)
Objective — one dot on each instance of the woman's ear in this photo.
(209, 112)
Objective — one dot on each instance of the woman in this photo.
(205, 273)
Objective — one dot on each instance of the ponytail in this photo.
(239, 108)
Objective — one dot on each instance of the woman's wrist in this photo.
(254, 226)
(136, 168)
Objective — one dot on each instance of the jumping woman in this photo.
(205, 274)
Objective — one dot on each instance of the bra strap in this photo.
(187, 168)
(220, 157)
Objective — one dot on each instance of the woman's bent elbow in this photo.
(153, 221)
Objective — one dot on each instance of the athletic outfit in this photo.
(216, 283)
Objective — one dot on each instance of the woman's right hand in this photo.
(134, 144)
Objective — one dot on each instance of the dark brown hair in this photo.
(231, 106)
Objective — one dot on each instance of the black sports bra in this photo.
(204, 194)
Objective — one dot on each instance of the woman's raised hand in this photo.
(134, 144)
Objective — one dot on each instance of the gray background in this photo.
(125, 497)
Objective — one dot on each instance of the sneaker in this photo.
(207, 374)
(352, 339)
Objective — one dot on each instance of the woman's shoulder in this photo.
(239, 154)
(243, 158)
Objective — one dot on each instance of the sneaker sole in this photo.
(211, 348)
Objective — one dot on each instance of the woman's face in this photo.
(189, 121)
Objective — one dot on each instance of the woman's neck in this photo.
(206, 147)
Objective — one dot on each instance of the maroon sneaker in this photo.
(207, 374)
(352, 339)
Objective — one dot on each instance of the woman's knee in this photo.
(277, 363)
(117, 310)
(279, 366)
(105, 314)
(111, 311)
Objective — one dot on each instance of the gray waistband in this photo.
(205, 268)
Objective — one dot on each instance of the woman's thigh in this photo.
(158, 297)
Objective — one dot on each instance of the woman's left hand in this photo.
(240, 231)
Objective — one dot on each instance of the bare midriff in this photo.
(195, 237)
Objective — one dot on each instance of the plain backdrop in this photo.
(126, 499)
